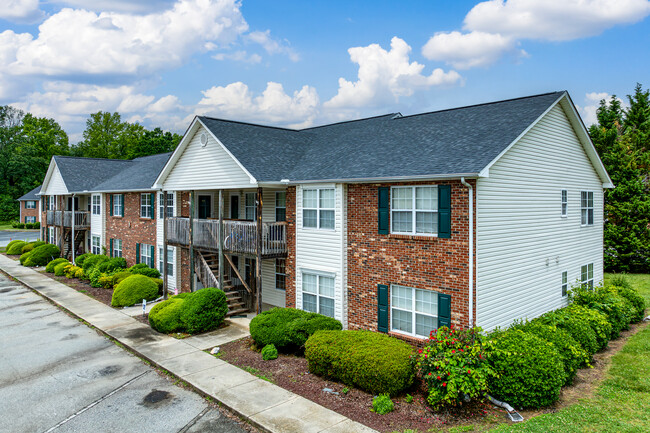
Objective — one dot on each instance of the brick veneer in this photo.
(131, 228)
(184, 210)
(414, 261)
(24, 212)
(290, 264)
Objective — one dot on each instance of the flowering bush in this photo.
(452, 364)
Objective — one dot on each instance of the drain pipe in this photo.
(512, 413)
(471, 251)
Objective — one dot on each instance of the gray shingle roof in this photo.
(139, 175)
(31, 195)
(455, 141)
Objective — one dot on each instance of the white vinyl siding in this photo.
(97, 221)
(204, 167)
(323, 251)
(55, 185)
(172, 282)
(522, 246)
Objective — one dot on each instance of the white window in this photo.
(30, 219)
(170, 261)
(414, 210)
(587, 275)
(166, 205)
(30, 204)
(97, 204)
(117, 247)
(280, 206)
(251, 208)
(145, 255)
(280, 274)
(51, 203)
(587, 208)
(118, 205)
(565, 282)
(413, 311)
(50, 235)
(318, 208)
(96, 245)
(318, 293)
(565, 203)
(145, 206)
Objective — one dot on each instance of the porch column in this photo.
(220, 239)
(61, 207)
(258, 267)
(164, 220)
(192, 241)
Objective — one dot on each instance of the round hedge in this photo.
(93, 261)
(145, 270)
(595, 319)
(59, 270)
(133, 290)
(165, 317)
(573, 356)
(30, 246)
(15, 247)
(530, 369)
(112, 265)
(79, 260)
(11, 243)
(366, 360)
(41, 256)
(120, 276)
(204, 310)
(23, 257)
(634, 298)
(50, 266)
(288, 328)
(579, 330)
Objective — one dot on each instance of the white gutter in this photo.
(471, 251)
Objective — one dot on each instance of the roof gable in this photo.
(31, 195)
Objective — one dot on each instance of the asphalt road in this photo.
(7, 236)
(59, 375)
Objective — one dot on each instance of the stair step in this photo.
(235, 306)
(230, 293)
(236, 312)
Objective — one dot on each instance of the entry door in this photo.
(234, 207)
(76, 203)
(205, 206)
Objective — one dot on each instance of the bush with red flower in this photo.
(452, 365)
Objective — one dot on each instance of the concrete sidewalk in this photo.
(265, 405)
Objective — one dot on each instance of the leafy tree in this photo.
(622, 139)
(153, 142)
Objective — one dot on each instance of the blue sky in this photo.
(298, 64)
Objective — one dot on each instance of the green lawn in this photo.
(640, 281)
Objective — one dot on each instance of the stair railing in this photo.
(203, 271)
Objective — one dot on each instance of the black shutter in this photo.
(153, 257)
(153, 206)
(383, 207)
(444, 211)
(444, 310)
(111, 246)
(111, 210)
(123, 205)
(137, 253)
(382, 308)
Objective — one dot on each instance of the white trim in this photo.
(318, 294)
(589, 281)
(587, 208)
(564, 213)
(48, 176)
(92, 204)
(412, 311)
(451, 176)
(413, 211)
(564, 273)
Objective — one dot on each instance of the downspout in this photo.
(73, 224)
(471, 251)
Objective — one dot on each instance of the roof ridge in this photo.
(353, 120)
(88, 157)
(249, 123)
(481, 104)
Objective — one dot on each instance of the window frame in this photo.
(253, 206)
(587, 275)
(96, 207)
(165, 204)
(564, 203)
(318, 294)
(318, 208)
(117, 247)
(283, 208)
(565, 283)
(30, 219)
(414, 211)
(118, 204)
(30, 206)
(96, 249)
(281, 275)
(587, 212)
(413, 311)
(145, 205)
(170, 261)
(151, 260)
(51, 203)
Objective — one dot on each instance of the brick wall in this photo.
(414, 261)
(24, 212)
(184, 210)
(131, 228)
(290, 294)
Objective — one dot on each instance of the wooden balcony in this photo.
(58, 218)
(240, 237)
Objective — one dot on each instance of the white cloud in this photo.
(79, 42)
(129, 6)
(274, 105)
(271, 45)
(20, 11)
(239, 56)
(592, 102)
(555, 20)
(385, 76)
(469, 50)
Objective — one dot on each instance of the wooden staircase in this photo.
(67, 245)
(236, 304)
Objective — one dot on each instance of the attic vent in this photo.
(204, 139)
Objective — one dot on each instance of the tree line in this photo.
(28, 142)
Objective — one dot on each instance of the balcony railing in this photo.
(239, 236)
(81, 218)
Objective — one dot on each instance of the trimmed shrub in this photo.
(133, 290)
(71, 270)
(37, 225)
(9, 245)
(579, 330)
(41, 256)
(617, 309)
(30, 246)
(106, 281)
(59, 270)
(29, 226)
(93, 261)
(120, 276)
(15, 247)
(634, 298)
(595, 319)
(79, 260)
(50, 266)
(165, 317)
(367, 360)
(79, 273)
(572, 355)
(204, 310)
(530, 369)
(147, 271)
(112, 264)
(23, 257)
(269, 352)
(382, 404)
(160, 284)
(288, 328)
